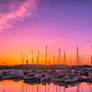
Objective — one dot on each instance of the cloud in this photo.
(12, 11)
(53, 41)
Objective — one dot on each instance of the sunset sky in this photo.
(31, 24)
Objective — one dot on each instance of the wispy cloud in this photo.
(53, 41)
(15, 10)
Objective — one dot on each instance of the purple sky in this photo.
(34, 23)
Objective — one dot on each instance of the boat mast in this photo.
(38, 57)
(59, 56)
(91, 55)
(32, 58)
(26, 60)
(81, 60)
(64, 58)
(54, 60)
(46, 49)
(26, 57)
(91, 60)
(77, 56)
(22, 57)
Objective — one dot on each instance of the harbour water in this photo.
(20, 86)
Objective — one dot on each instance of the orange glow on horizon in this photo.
(16, 59)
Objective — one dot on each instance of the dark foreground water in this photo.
(20, 86)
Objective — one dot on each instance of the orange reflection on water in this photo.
(20, 86)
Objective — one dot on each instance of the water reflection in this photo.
(20, 86)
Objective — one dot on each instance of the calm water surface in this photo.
(20, 86)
